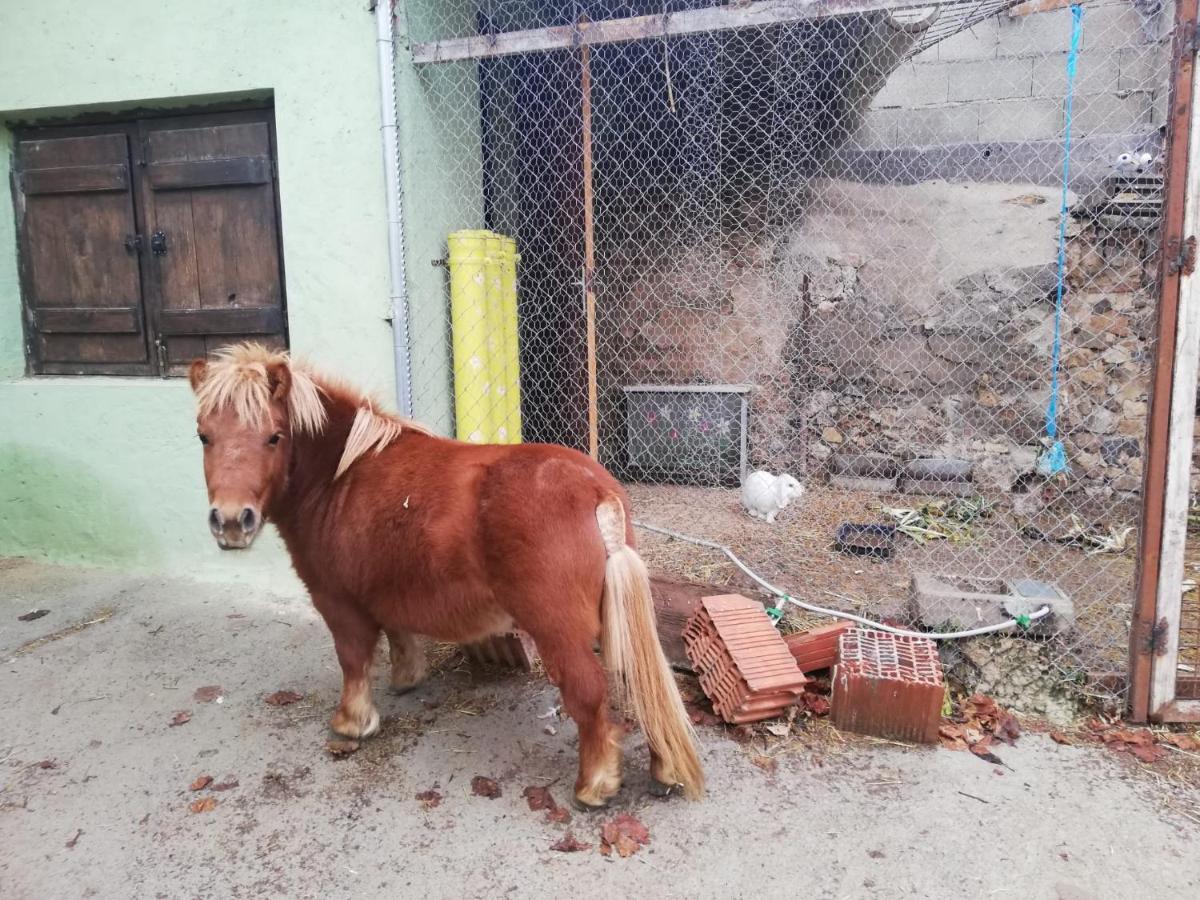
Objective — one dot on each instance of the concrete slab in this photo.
(954, 602)
(110, 817)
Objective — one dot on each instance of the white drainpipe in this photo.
(385, 42)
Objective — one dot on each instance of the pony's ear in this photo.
(196, 372)
(279, 380)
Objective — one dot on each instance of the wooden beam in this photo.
(1145, 630)
(589, 252)
(1181, 436)
(1180, 711)
(616, 31)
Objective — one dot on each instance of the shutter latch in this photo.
(162, 356)
(133, 244)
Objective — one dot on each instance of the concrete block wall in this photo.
(1005, 81)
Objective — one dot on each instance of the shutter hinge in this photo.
(1183, 258)
(162, 356)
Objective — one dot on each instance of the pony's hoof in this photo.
(348, 728)
(661, 789)
(584, 807)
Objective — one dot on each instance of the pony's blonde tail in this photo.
(629, 643)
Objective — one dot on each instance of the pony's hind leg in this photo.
(407, 653)
(354, 639)
(584, 687)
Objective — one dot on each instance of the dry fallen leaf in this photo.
(558, 816)
(779, 729)
(208, 693)
(766, 763)
(1059, 738)
(341, 749)
(539, 798)
(47, 764)
(1007, 728)
(569, 845)
(430, 798)
(201, 783)
(227, 785)
(181, 718)
(31, 616)
(1137, 737)
(75, 840)
(625, 834)
(204, 804)
(485, 787)
(816, 704)
(1180, 741)
(1147, 753)
(981, 750)
(283, 698)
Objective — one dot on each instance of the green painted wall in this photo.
(108, 469)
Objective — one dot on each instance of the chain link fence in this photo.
(818, 239)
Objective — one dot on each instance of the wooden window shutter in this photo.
(213, 257)
(79, 261)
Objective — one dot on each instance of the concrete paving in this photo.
(94, 781)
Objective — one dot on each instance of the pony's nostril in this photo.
(215, 520)
(248, 520)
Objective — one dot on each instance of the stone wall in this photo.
(913, 320)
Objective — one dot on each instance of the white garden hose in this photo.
(837, 614)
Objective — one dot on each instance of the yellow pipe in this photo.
(494, 300)
(468, 262)
(509, 388)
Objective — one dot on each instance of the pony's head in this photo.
(252, 401)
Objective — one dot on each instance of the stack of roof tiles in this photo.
(887, 685)
(745, 667)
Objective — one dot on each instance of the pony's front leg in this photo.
(354, 638)
(407, 653)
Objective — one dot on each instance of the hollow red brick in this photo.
(888, 686)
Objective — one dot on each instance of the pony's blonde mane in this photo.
(238, 377)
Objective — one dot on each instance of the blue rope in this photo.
(1054, 460)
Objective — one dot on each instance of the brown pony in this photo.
(395, 530)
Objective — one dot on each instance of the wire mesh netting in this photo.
(819, 239)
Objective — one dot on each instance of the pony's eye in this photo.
(275, 438)
(203, 438)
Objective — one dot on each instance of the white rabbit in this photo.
(764, 494)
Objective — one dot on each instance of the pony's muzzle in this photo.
(234, 529)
